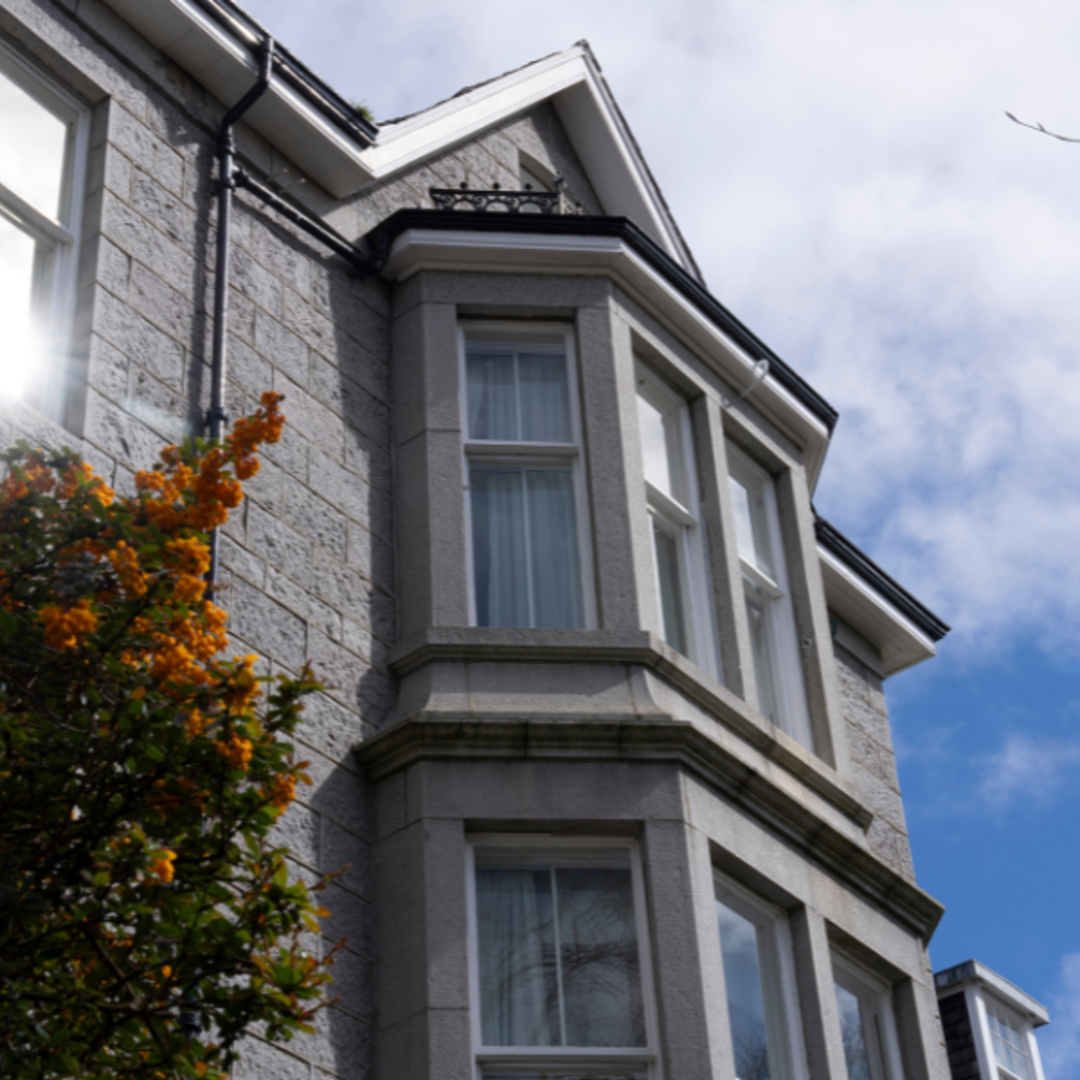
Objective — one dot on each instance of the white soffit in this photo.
(435, 249)
(901, 642)
(224, 64)
(572, 83)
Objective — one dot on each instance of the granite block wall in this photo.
(308, 567)
(873, 760)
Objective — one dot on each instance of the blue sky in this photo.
(852, 189)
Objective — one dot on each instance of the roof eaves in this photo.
(646, 249)
(466, 90)
(336, 108)
(632, 139)
(861, 564)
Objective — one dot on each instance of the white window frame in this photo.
(985, 1005)
(52, 305)
(785, 661)
(776, 954)
(525, 454)
(876, 1011)
(681, 519)
(580, 1061)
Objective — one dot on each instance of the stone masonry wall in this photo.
(308, 559)
(873, 759)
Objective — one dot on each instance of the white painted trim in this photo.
(531, 453)
(787, 662)
(902, 644)
(570, 80)
(875, 997)
(647, 1058)
(55, 304)
(684, 521)
(226, 66)
(453, 121)
(784, 1025)
(433, 249)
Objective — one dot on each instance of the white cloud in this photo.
(1029, 772)
(1059, 1043)
(852, 189)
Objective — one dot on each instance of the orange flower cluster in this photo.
(236, 750)
(63, 628)
(282, 791)
(125, 564)
(243, 687)
(161, 866)
(195, 723)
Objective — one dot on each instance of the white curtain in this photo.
(492, 396)
(544, 401)
(499, 564)
(518, 994)
(525, 547)
(517, 396)
(556, 573)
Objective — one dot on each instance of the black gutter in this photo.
(383, 235)
(834, 542)
(313, 226)
(236, 21)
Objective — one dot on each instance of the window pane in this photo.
(856, 1051)
(1008, 1046)
(669, 581)
(746, 998)
(655, 447)
(492, 397)
(519, 1003)
(17, 258)
(33, 142)
(758, 614)
(553, 550)
(544, 397)
(598, 957)
(500, 567)
(526, 566)
(518, 390)
(751, 527)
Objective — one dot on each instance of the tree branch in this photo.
(1039, 128)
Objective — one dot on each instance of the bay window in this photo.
(777, 666)
(523, 476)
(679, 564)
(758, 982)
(559, 960)
(42, 146)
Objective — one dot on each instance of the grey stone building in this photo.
(605, 745)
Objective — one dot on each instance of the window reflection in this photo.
(856, 1051)
(558, 957)
(746, 999)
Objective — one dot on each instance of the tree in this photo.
(146, 923)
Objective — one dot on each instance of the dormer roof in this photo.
(573, 83)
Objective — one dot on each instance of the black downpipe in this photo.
(216, 415)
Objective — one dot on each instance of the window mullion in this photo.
(558, 956)
(517, 397)
(39, 225)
